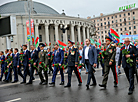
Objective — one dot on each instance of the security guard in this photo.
(42, 58)
(109, 62)
(73, 63)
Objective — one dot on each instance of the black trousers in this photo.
(70, 69)
(90, 73)
(41, 76)
(130, 77)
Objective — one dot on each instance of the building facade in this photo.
(123, 22)
(47, 24)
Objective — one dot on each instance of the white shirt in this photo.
(127, 47)
(86, 52)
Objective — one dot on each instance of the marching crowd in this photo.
(73, 59)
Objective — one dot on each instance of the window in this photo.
(133, 22)
(108, 18)
(112, 21)
(128, 18)
(134, 18)
(129, 23)
(120, 20)
(120, 29)
(121, 33)
(102, 36)
(101, 24)
(117, 30)
(125, 29)
(112, 17)
(124, 23)
(104, 18)
(98, 24)
(130, 33)
(116, 16)
(104, 23)
(99, 36)
(119, 15)
(98, 28)
(134, 27)
(105, 27)
(116, 25)
(134, 32)
(97, 20)
(102, 32)
(116, 21)
(129, 28)
(124, 14)
(128, 14)
(124, 19)
(108, 23)
(105, 31)
(94, 20)
(102, 40)
(121, 24)
(40, 38)
(101, 19)
(54, 38)
(133, 13)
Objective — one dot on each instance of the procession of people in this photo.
(42, 61)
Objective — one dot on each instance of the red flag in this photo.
(127, 34)
(36, 41)
(61, 43)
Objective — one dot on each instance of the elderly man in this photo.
(129, 68)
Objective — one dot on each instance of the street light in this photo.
(63, 28)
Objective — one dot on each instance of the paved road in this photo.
(39, 93)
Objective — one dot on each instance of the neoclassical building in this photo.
(47, 24)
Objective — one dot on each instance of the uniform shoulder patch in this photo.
(44, 50)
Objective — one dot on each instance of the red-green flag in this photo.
(114, 34)
(62, 45)
(37, 42)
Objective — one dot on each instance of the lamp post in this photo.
(64, 28)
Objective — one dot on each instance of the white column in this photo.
(72, 33)
(84, 37)
(46, 34)
(65, 37)
(56, 33)
(79, 38)
(8, 42)
(36, 31)
(88, 36)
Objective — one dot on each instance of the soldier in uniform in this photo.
(73, 64)
(109, 62)
(43, 58)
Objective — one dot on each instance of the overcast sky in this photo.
(84, 8)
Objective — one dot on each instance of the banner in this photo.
(28, 30)
(131, 37)
(113, 38)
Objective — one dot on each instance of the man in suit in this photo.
(15, 63)
(10, 66)
(43, 58)
(109, 62)
(49, 60)
(25, 63)
(73, 64)
(34, 56)
(58, 59)
(89, 57)
(129, 70)
(98, 51)
(5, 63)
(2, 64)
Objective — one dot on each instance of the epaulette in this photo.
(44, 50)
(75, 47)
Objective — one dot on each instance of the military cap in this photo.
(69, 41)
(108, 38)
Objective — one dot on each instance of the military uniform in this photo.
(109, 57)
(72, 61)
(43, 58)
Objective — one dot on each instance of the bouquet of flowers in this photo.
(21, 56)
(80, 57)
(79, 66)
(1, 61)
(43, 65)
(32, 62)
(125, 52)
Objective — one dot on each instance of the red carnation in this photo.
(52, 54)
(104, 49)
(53, 65)
(29, 58)
(100, 53)
(48, 54)
(80, 67)
(5, 58)
(4, 73)
(40, 63)
(80, 56)
(21, 53)
(1, 60)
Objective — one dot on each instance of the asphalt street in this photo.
(10, 92)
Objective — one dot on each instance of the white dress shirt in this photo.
(86, 52)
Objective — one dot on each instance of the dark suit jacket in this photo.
(59, 57)
(133, 54)
(16, 60)
(2, 58)
(34, 56)
(26, 58)
(92, 55)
